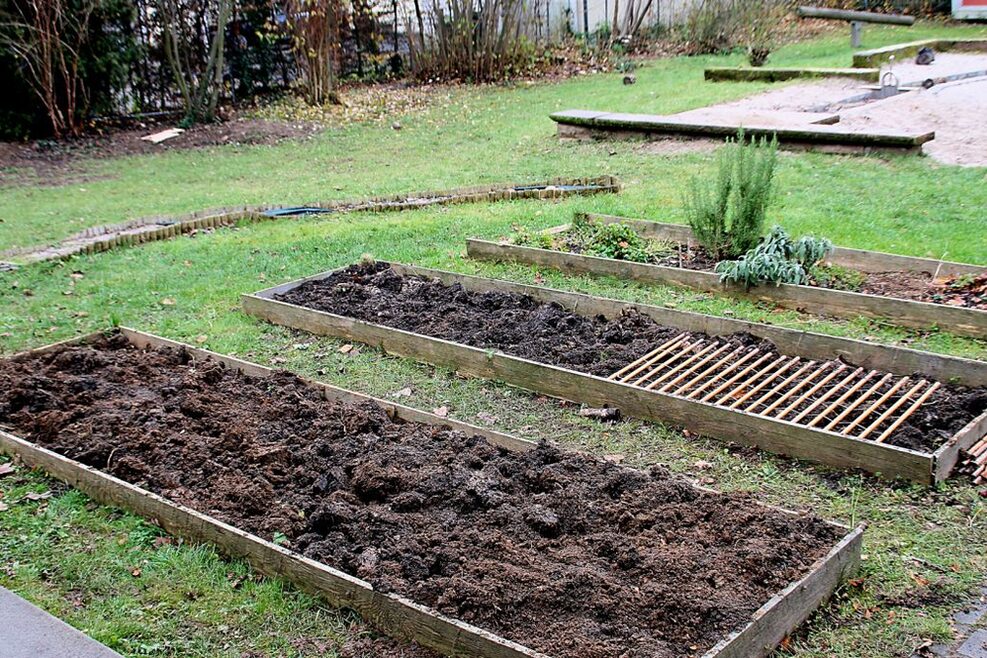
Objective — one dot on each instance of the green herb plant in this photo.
(777, 259)
(728, 219)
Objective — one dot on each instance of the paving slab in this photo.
(27, 631)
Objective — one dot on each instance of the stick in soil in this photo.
(859, 401)
(698, 357)
(644, 361)
(689, 347)
(705, 373)
(802, 398)
(912, 409)
(780, 387)
(788, 363)
(825, 396)
(726, 371)
(843, 398)
(874, 407)
(746, 382)
(795, 389)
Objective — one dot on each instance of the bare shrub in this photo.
(476, 40)
(313, 26)
(47, 39)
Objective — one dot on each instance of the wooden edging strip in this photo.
(395, 615)
(774, 74)
(139, 231)
(774, 435)
(823, 301)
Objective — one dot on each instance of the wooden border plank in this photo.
(788, 607)
(806, 299)
(396, 615)
(777, 436)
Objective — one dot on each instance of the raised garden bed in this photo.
(433, 530)
(919, 293)
(583, 348)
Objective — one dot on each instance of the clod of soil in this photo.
(520, 326)
(563, 552)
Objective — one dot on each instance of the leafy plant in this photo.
(837, 277)
(526, 238)
(728, 219)
(777, 259)
(616, 240)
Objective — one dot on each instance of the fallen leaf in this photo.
(278, 359)
(919, 580)
(77, 275)
(37, 496)
(403, 393)
(167, 301)
(703, 465)
(441, 412)
(162, 541)
(346, 349)
(6, 469)
(3, 507)
(135, 572)
(201, 338)
(487, 418)
(614, 459)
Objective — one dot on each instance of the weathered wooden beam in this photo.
(858, 16)
(616, 124)
(772, 74)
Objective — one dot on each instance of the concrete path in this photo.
(27, 631)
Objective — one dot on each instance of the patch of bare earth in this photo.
(50, 163)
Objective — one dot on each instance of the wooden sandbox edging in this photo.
(150, 229)
(395, 615)
(779, 74)
(909, 313)
(879, 56)
(591, 124)
(779, 436)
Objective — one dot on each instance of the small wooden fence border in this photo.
(969, 322)
(777, 436)
(394, 615)
(138, 231)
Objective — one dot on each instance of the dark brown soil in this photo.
(566, 553)
(518, 325)
(45, 162)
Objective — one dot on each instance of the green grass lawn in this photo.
(925, 549)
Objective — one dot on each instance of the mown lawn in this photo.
(112, 575)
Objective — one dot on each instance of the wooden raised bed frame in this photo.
(777, 436)
(395, 615)
(914, 314)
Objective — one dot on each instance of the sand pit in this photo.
(956, 111)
